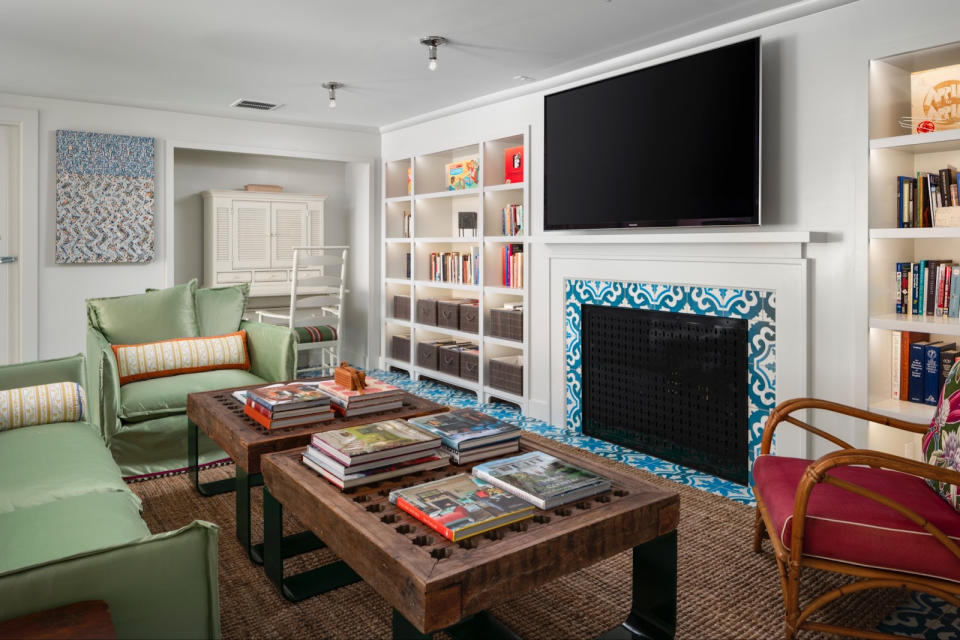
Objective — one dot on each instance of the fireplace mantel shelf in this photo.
(703, 237)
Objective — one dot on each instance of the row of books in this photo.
(497, 493)
(928, 287)
(511, 220)
(405, 229)
(511, 265)
(919, 366)
(919, 198)
(455, 266)
(295, 404)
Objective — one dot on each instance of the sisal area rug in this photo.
(725, 590)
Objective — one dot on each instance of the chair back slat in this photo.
(318, 281)
(315, 302)
(306, 260)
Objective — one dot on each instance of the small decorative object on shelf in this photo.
(513, 164)
(409, 180)
(467, 224)
(347, 376)
(406, 224)
(935, 98)
(272, 188)
(462, 175)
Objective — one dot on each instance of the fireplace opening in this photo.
(673, 385)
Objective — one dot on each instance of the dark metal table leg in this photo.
(653, 613)
(244, 483)
(403, 630)
(206, 489)
(480, 626)
(302, 585)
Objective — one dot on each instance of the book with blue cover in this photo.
(931, 379)
(463, 429)
(918, 357)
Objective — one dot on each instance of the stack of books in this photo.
(376, 396)
(469, 435)
(291, 404)
(373, 452)
(461, 506)
(541, 479)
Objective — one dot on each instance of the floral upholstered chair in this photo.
(886, 520)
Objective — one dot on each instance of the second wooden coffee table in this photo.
(436, 584)
(219, 415)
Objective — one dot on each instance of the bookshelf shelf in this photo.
(903, 234)
(926, 324)
(909, 411)
(933, 142)
(432, 216)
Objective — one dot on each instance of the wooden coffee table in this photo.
(78, 621)
(219, 415)
(436, 584)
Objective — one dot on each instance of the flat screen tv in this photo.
(675, 144)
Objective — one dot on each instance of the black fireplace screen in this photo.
(673, 385)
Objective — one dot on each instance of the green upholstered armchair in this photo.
(144, 423)
(70, 530)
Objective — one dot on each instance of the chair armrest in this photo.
(161, 586)
(782, 411)
(28, 374)
(273, 351)
(103, 395)
(817, 473)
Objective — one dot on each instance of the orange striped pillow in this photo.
(181, 355)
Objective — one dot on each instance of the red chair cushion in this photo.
(850, 528)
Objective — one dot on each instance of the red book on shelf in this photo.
(513, 164)
(906, 338)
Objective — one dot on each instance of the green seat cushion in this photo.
(66, 527)
(220, 310)
(146, 317)
(159, 397)
(51, 462)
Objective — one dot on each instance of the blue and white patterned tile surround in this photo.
(757, 307)
(443, 394)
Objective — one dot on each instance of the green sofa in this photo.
(144, 423)
(70, 530)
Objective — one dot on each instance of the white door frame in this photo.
(28, 253)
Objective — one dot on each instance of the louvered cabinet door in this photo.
(315, 219)
(289, 231)
(251, 226)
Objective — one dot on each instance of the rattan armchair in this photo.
(842, 489)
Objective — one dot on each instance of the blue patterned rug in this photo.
(921, 616)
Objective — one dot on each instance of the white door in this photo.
(9, 244)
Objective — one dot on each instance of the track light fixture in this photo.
(431, 43)
(332, 87)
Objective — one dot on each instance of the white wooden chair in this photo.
(316, 305)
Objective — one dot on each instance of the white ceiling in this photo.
(201, 55)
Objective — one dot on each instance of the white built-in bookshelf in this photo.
(433, 227)
(896, 151)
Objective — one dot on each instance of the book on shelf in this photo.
(918, 356)
(511, 220)
(896, 338)
(379, 474)
(461, 506)
(932, 373)
(287, 396)
(376, 441)
(511, 265)
(494, 450)
(406, 225)
(902, 359)
(455, 267)
(513, 164)
(272, 421)
(462, 429)
(920, 198)
(948, 358)
(541, 479)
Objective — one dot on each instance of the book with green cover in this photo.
(466, 428)
(461, 506)
(542, 479)
(353, 445)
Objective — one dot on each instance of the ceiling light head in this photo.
(431, 43)
(522, 78)
(332, 87)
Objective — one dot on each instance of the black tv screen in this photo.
(674, 144)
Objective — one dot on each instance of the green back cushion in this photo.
(146, 317)
(220, 310)
(941, 443)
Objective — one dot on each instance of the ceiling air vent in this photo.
(255, 104)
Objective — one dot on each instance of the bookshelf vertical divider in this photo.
(433, 226)
(896, 151)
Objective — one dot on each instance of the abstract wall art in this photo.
(105, 198)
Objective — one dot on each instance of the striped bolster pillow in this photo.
(42, 404)
(181, 355)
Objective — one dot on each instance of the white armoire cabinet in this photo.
(249, 236)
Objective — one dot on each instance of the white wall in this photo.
(63, 288)
(814, 162)
(196, 170)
